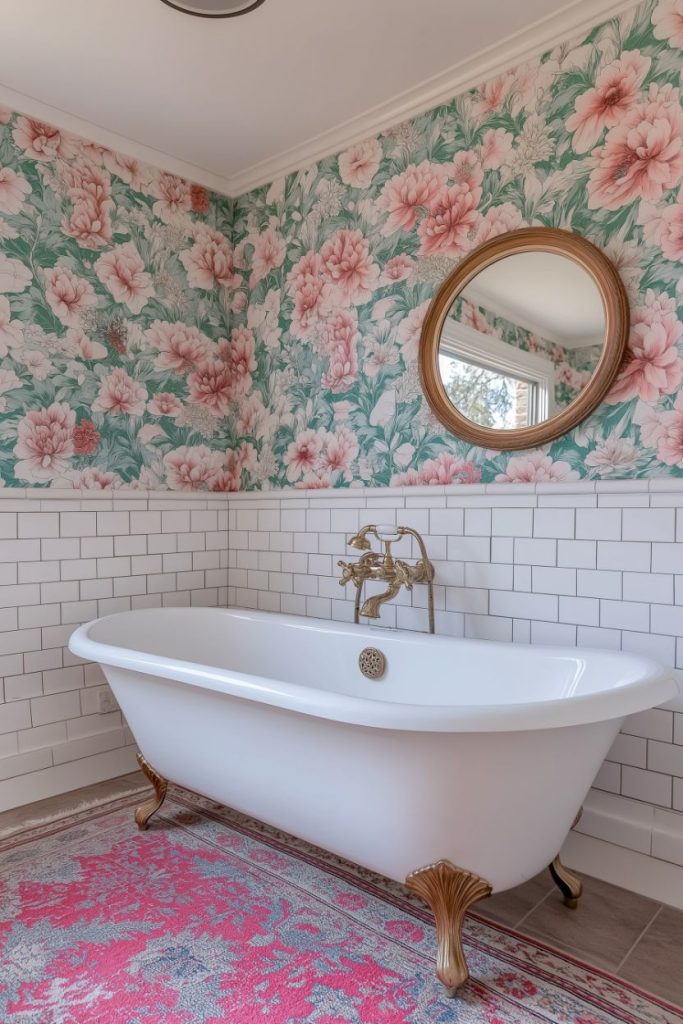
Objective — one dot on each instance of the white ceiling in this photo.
(231, 102)
(546, 293)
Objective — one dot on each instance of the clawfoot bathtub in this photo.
(459, 770)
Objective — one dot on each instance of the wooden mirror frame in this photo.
(616, 308)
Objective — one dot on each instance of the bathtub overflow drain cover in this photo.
(372, 662)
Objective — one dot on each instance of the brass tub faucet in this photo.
(382, 567)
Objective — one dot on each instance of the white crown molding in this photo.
(571, 21)
(575, 19)
(32, 107)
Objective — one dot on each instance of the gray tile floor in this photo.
(626, 934)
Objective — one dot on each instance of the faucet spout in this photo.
(372, 604)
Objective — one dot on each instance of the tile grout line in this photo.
(534, 908)
(640, 937)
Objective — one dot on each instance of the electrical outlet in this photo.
(107, 702)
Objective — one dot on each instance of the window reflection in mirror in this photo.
(521, 340)
(487, 397)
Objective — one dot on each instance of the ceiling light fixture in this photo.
(214, 8)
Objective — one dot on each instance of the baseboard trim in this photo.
(638, 872)
(27, 789)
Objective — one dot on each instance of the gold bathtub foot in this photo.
(449, 891)
(145, 811)
(569, 885)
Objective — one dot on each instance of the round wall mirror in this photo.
(523, 339)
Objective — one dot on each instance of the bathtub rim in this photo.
(655, 686)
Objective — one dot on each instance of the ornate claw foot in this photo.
(449, 891)
(145, 811)
(569, 885)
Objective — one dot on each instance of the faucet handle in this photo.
(348, 574)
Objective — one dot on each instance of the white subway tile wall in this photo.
(581, 565)
(66, 558)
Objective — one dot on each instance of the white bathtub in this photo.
(474, 752)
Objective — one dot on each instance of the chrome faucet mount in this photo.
(382, 567)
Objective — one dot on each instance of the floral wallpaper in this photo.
(573, 367)
(117, 364)
(339, 262)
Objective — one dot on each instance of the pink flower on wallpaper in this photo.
(86, 182)
(308, 290)
(119, 395)
(339, 453)
(229, 476)
(210, 385)
(473, 316)
(378, 356)
(36, 362)
(14, 276)
(349, 267)
(496, 148)
(192, 468)
(128, 169)
(209, 263)
(252, 417)
(309, 265)
(405, 196)
(13, 190)
(498, 220)
(123, 273)
(89, 223)
(45, 443)
(410, 330)
(615, 455)
(448, 469)
(8, 382)
(664, 226)
(317, 481)
(398, 268)
(616, 90)
(467, 169)
(535, 467)
(180, 346)
(653, 366)
(165, 403)
(90, 479)
(338, 336)
(666, 431)
(174, 197)
(11, 331)
(444, 469)
(492, 96)
(84, 346)
(42, 141)
(269, 254)
(5, 115)
(451, 223)
(240, 355)
(239, 303)
(309, 305)
(643, 156)
(359, 164)
(667, 21)
(302, 454)
(68, 295)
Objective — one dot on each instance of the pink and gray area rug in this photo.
(211, 917)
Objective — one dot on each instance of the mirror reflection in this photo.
(521, 341)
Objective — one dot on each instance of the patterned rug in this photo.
(211, 917)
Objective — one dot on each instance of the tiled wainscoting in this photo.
(66, 557)
(578, 564)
